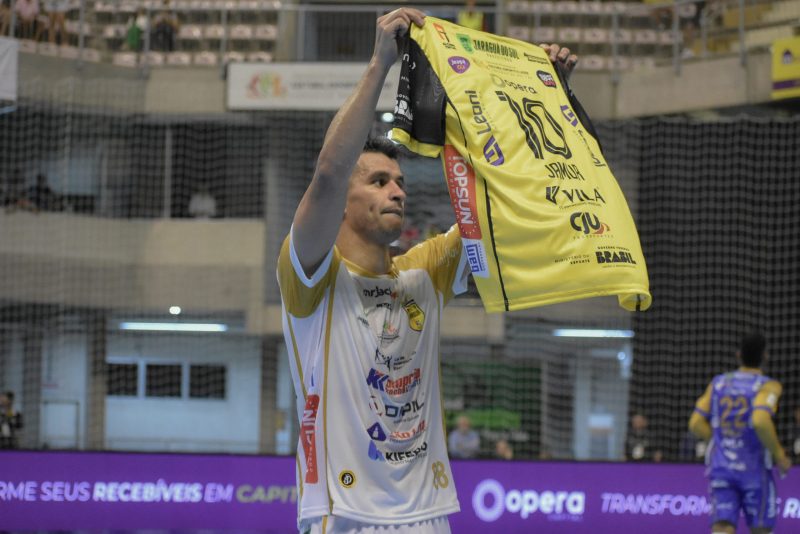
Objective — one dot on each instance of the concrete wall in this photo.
(702, 84)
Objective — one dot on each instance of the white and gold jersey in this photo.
(364, 357)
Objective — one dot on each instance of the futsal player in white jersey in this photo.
(362, 330)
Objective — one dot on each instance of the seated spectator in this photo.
(41, 197)
(637, 443)
(165, 28)
(27, 11)
(463, 442)
(5, 16)
(57, 13)
(202, 205)
(503, 450)
(10, 421)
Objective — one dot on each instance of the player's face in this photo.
(376, 198)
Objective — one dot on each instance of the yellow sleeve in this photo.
(703, 404)
(301, 295)
(768, 397)
(440, 256)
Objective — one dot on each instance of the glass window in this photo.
(207, 381)
(163, 380)
(122, 379)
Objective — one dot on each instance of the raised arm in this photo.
(319, 215)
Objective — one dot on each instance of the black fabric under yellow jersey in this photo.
(541, 217)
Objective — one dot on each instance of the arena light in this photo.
(175, 310)
(387, 117)
(588, 332)
(174, 327)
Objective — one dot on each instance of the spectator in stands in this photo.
(165, 28)
(27, 11)
(41, 197)
(202, 205)
(137, 27)
(503, 450)
(5, 16)
(469, 18)
(57, 13)
(463, 442)
(637, 443)
(10, 421)
(13, 196)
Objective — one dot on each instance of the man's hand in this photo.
(561, 55)
(784, 464)
(391, 27)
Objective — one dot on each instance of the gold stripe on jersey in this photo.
(541, 217)
(768, 396)
(299, 299)
(328, 322)
(439, 256)
(298, 362)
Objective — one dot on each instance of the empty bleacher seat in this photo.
(179, 59)
(91, 55)
(619, 63)
(242, 31)
(267, 32)
(113, 31)
(645, 37)
(190, 31)
(125, 59)
(566, 7)
(205, 58)
(543, 8)
(621, 36)
(259, 57)
(69, 52)
(232, 57)
(543, 34)
(595, 36)
(519, 32)
(517, 6)
(592, 62)
(569, 35)
(214, 31)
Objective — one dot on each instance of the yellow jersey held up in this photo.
(542, 218)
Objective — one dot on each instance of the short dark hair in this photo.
(752, 349)
(383, 146)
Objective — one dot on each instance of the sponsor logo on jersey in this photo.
(564, 171)
(416, 317)
(347, 479)
(391, 362)
(404, 384)
(405, 435)
(588, 223)
(465, 41)
(499, 81)
(458, 64)
(556, 505)
(461, 184)
(547, 78)
(476, 257)
(572, 195)
(374, 453)
(403, 457)
(595, 160)
(492, 152)
(380, 292)
(495, 48)
(398, 412)
(536, 59)
(376, 432)
(443, 36)
(308, 428)
(614, 255)
(569, 115)
(401, 108)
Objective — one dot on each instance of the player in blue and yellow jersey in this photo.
(735, 413)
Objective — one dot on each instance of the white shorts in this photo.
(341, 525)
